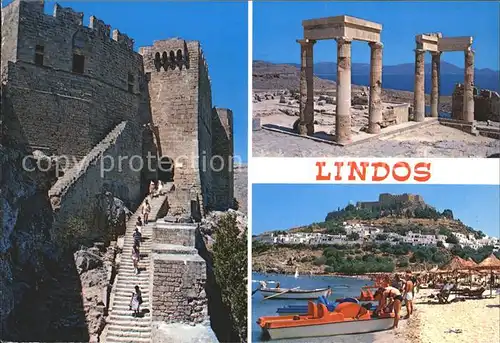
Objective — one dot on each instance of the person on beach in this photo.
(408, 295)
(397, 282)
(136, 301)
(146, 209)
(135, 258)
(277, 285)
(385, 295)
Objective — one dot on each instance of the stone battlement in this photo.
(66, 16)
(386, 199)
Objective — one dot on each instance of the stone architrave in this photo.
(375, 105)
(343, 116)
(436, 63)
(468, 111)
(306, 102)
(419, 92)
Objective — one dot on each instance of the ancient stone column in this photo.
(306, 101)
(468, 112)
(436, 63)
(375, 106)
(343, 115)
(419, 92)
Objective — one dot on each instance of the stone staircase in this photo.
(122, 326)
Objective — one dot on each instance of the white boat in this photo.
(294, 293)
(347, 318)
(332, 329)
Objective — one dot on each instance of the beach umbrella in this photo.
(491, 262)
(471, 262)
(456, 263)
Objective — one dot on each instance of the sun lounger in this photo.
(444, 294)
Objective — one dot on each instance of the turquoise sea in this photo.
(342, 287)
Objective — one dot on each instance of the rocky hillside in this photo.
(49, 291)
(370, 256)
(270, 76)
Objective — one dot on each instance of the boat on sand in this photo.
(366, 296)
(347, 318)
(294, 293)
(301, 309)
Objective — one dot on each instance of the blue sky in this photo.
(222, 29)
(277, 25)
(285, 206)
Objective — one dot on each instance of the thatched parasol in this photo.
(471, 262)
(456, 263)
(490, 262)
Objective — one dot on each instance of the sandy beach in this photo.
(470, 321)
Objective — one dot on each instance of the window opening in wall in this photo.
(78, 63)
(39, 55)
(130, 82)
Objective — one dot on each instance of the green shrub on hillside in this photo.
(230, 269)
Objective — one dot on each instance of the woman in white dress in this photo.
(136, 301)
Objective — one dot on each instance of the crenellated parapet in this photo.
(123, 39)
(100, 28)
(68, 15)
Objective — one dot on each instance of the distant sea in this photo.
(405, 82)
(342, 287)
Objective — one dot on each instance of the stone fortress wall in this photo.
(81, 91)
(74, 194)
(86, 80)
(83, 81)
(386, 199)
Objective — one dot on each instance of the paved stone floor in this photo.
(431, 141)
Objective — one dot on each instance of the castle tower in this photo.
(181, 109)
(222, 159)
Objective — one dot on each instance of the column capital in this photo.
(419, 51)
(343, 40)
(376, 45)
(469, 51)
(306, 42)
(436, 53)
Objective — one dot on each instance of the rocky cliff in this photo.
(49, 292)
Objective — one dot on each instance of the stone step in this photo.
(111, 339)
(173, 249)
(123, 333)
(125, 302)
(129, 320)
(120, 330)
(125, 307)
(128, 290)
(133, 277)
(125, 285)
(127, 312)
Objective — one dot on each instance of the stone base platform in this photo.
(177, 333)
(178, 283)
(175, 233)
(173, 249)
(361, 137)
(460, 125)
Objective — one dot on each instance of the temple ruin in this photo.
(344, 30)
(436, 44)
